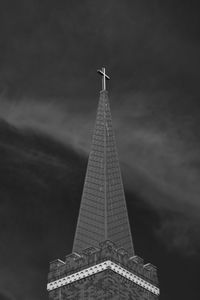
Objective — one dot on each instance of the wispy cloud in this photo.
(159, 155)
(50, 118)
(149, 144)
(6, 296)
(180, 232)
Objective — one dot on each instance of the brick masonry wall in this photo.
(106, 284)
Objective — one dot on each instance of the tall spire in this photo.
(103, 213)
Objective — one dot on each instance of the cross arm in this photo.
(103, 74)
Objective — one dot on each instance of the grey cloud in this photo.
(53, 119)
(180, 233)
(148, 139)
(36, 173)
(6, 296)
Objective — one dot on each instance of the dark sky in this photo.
(49, 89)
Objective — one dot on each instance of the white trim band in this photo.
(99, 268)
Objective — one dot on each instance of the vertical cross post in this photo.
(104, 77)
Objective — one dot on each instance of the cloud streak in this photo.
(160, 159)
(152, 146)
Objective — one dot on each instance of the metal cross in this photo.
(104, 77)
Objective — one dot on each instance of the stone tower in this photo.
(103, 264)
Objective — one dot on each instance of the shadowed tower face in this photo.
(103, 213)
(103, 264)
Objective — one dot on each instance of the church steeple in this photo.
(103, 264)
(103, 213)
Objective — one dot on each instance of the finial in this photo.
(104, 77)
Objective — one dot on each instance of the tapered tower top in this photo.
(103, 213)
(103, 264)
